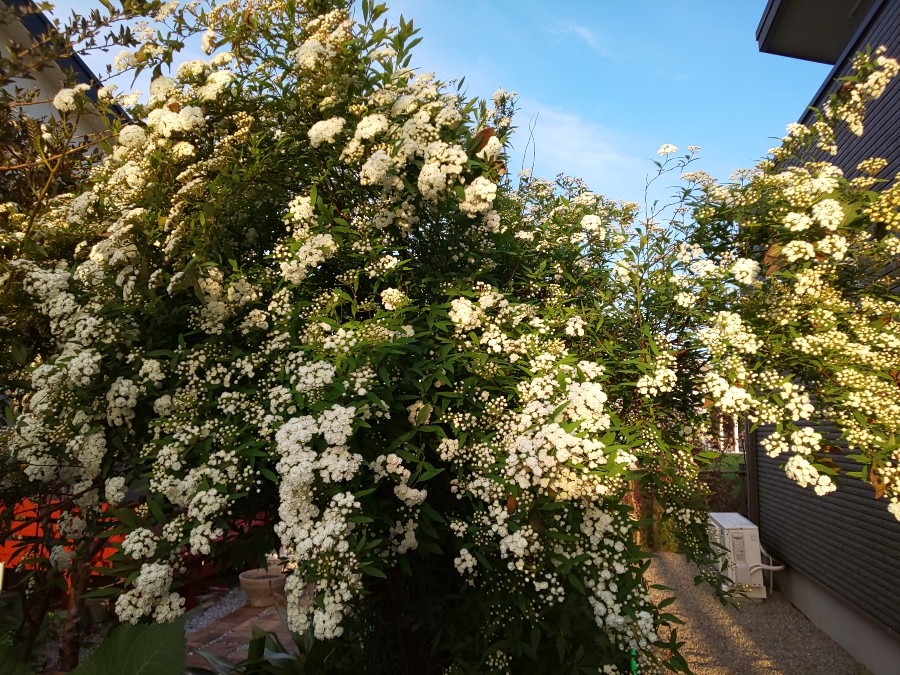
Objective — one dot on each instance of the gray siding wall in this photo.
(845, 541)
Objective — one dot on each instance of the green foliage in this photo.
(11, 662)
(139, 650)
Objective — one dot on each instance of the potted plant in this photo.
(262, 584)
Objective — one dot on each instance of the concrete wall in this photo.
(866, 640)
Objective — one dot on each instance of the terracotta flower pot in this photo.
(262, 585)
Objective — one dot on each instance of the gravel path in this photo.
(764, 637)
(222, 607)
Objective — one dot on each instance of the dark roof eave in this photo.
(813, 30)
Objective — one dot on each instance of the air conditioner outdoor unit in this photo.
(743, 562)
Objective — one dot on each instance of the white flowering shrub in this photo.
(816, 338)
(313, 313)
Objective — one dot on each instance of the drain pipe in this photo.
(770, 568)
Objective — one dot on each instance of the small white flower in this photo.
(393, 298)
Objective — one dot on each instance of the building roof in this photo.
(38, 25)
(814, 30)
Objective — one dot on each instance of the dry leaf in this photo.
(511, 504)
(772, 260)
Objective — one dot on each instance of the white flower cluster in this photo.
(313, 251)
(71, 526)
(444, 163)
(805, 474)
(167, 123)
(312, 54)
(480, 196)
(833, 246)
(392, 465)
(314, 537)
(731, 399)
(809, 316)
(465, 315)
(828, 213)
(575, 326)
(139, 543)
(121, 398)
(149, 596)
(587, 403)
(796, 401)
(115, 490)
(82, 367)
(466, 563)
(215, 85)
(61, 558)
(661, 378)
(745, 271)
(798, 250)
(775, 444)
(376, 168)
(728, 332)
(797, 222)
(393, 298)
(326, 131)
(83, 207)
(593, 223)
(805, 441)
(419, 413)
(66, 100)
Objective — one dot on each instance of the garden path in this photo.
(766, 637)
(228, 637)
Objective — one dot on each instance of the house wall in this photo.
(48, 81)
(842, 553)
(842, 550)
(846, 540)
(882, 125)
(856, 631)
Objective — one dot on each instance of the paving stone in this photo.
(229, 636)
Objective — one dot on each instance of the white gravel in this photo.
(221, 608)
(764, 637)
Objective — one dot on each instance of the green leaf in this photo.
(145, 649)
(665, 603)
(220, 666)
(431, 473)
(156, 509)
(576, 582)
(373, 571)
(126, 517)
(101, 593)
(11, 664)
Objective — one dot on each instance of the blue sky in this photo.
(607, 82)
(610, 81)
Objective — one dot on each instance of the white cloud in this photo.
(564, 142)
(586, 35)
